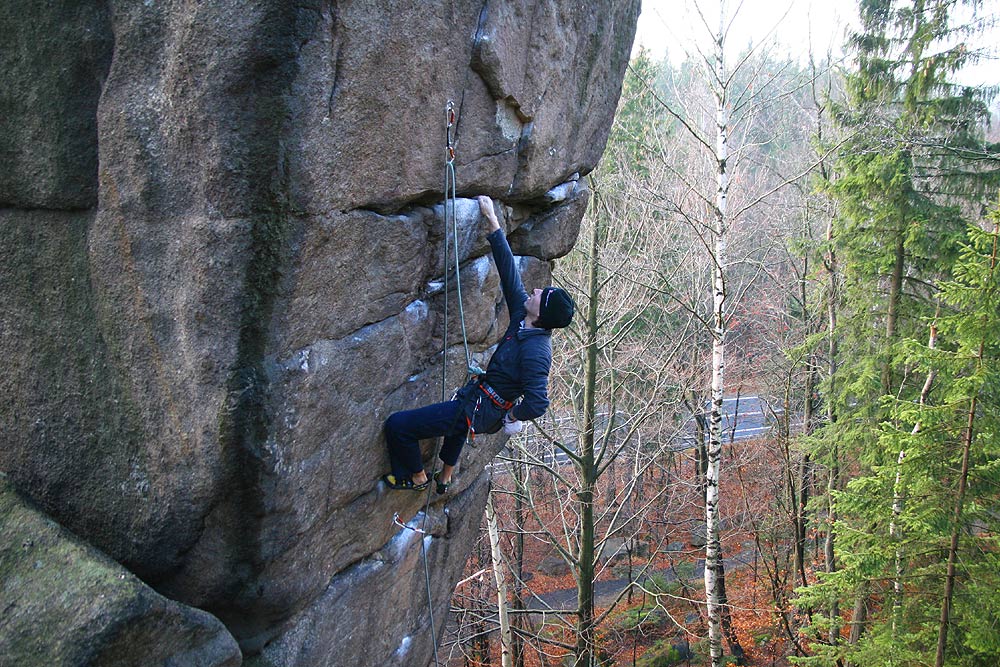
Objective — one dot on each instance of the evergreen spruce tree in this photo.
(948, 527)
(905, 185)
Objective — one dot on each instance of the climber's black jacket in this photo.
(520, 365)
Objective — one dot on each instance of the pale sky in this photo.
(671, 26)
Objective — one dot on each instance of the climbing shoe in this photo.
(442, 487)
(403, 484)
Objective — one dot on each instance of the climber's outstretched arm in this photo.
(510, 280)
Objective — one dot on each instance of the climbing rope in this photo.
(451, 229)
(450, 226)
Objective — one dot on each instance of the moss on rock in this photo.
(65, 603)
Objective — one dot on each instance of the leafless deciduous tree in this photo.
(721, 109)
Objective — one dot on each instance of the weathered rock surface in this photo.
(222, 268)
(348, 625)
(65, 604)
(551, 234)
(53, 65)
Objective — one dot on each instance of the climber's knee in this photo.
(392, 423)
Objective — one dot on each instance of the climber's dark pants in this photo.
(404, 429)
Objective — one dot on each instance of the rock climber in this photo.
(518, 369)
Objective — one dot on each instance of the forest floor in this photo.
(606, 592)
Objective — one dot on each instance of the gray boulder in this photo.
(617, 549)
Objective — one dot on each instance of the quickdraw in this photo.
(469, 421)
(449, 111)
(399, 522)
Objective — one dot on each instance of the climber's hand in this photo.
(511, 425)
(486, 207)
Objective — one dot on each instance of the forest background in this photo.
(814, 238)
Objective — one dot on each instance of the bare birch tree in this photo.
(618, 380)
(735, 93)
(496, 558)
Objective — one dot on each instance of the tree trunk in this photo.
(895, 536)
(697, 408)
(521, 516)
(899, 496)
(506, 657)
(829, 554)
(808, 423)
(833, 480)
(713, 555)
(949, 582)
(859, 618)
(800, 519)
(585, 647)
(892, 314)
(735, 648)
(481, 641)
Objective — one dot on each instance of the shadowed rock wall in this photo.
(221, 267)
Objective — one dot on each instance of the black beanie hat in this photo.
(556, 309)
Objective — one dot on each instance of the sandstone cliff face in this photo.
(222, 242)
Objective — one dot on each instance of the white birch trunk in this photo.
(896, 537)
(713, 551)
(506, 657)
(832, 351)
(898, 498)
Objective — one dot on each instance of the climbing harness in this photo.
(497, 399)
